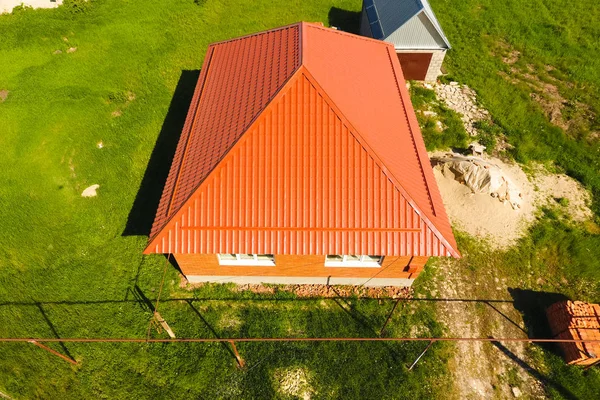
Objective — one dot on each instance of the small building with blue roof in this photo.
(413, 29)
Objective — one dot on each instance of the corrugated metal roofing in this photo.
(334, 164)
(238, 79)
(417, 34)
(387, 16)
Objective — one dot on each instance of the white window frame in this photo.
(354, 263)
(254, 262)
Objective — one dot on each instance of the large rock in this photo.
(90, 191)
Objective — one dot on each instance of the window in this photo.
(246, 259)
(335, 260)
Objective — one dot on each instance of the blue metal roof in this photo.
(387, 16)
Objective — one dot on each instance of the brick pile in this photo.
(576, 320)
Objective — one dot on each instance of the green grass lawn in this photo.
(67, 270)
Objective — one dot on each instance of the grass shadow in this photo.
(344, 20)
(141, 215)
(54, 331)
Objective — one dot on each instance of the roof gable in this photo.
(375, 130)
(418, 33)
(316, 166)
(387, 17)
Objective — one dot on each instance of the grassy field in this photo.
(68, 270)
(72, 267)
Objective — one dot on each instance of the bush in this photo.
(76, 6)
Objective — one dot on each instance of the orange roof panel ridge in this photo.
(301, 140)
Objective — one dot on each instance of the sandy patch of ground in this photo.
(3, 95)
(294, 382)
(485, 217)
(561, 189)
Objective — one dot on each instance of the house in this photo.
(413, 29)
(301, 161)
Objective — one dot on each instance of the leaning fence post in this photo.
(239, 359)
(421, 355)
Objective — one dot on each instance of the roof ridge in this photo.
(347, 34)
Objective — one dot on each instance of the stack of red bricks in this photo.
(576, 320)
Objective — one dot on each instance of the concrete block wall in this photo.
(435, 66)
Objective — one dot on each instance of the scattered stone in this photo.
(516, 391)
(540, 281)
(439, 126)
(57, 52)
(407, 84)
(428, 113)
(100, 145)
(477, 149)
(65, 39)
(90, 191)
(3, 95)
(462, 99)
(428, 86)
(71, 49)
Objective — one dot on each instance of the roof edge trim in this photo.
(211, 50)
(413, 125)
(436, 24)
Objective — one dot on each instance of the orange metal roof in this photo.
(301, 140)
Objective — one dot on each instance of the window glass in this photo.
(371, 258)
(247, 259)
(352, 260)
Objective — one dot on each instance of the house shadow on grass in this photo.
(146, 201)
(344, 20)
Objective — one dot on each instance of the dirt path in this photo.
(483, 370)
